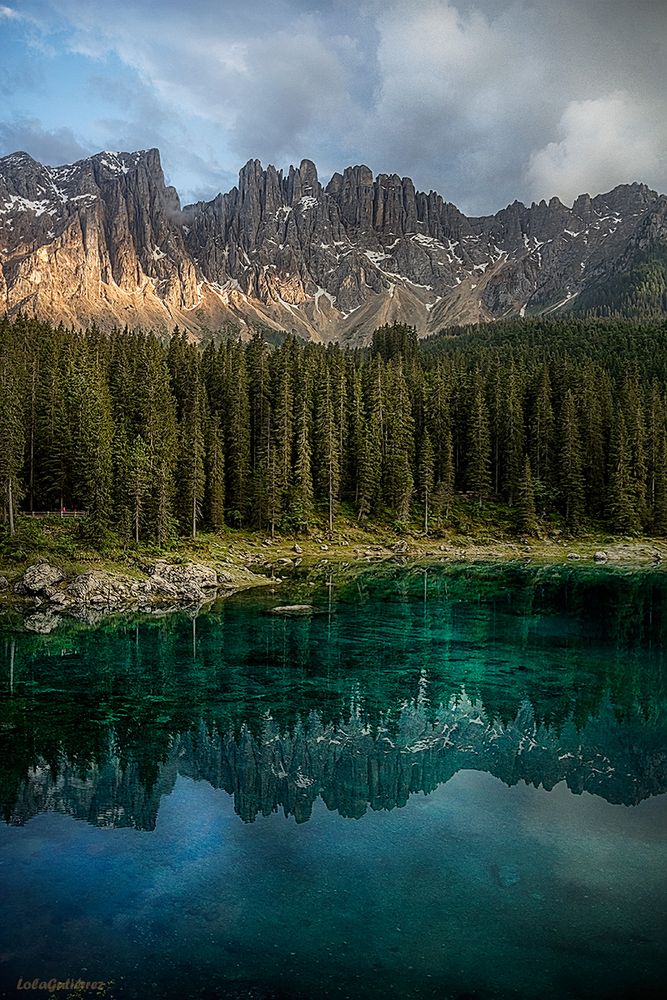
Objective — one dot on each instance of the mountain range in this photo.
(106, 241)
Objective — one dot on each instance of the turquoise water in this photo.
(446, 783)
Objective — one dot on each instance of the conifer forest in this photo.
(560, 421)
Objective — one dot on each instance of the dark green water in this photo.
(448, 784)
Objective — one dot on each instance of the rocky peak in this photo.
(105, 239)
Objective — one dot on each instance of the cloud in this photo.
(483, 100)
(602, 140)
(52, 146)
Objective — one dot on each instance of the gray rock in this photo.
(600, 556)
(190, 581)
(4, 583)
(573, 556)
(297, 549)
(295, 610)
(38, 579)
(42, 622)
(282, 248)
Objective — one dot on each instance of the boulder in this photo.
(600, 556)
(39, 579)
(190, 582)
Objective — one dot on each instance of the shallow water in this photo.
(447, 783)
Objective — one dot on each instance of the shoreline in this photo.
(45, 592)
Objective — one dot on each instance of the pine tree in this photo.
(12, 435)
(512, 438)
(398, 478)
(192, 473)
(138, 470)
(372, 451)
(659, 519)
(526, 515)
(262, 459)
(541, 428)
(214, 474)
(426, 477)
(328, 457)
(570, 474)
(301, 496)
(92, 436)
(622, 509)
(282, 429)
(237, 427)
(157, 417)
(479, 443)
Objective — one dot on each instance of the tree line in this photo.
(562, 422)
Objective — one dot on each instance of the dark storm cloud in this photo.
(484, 101)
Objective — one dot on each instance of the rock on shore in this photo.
(165, 584)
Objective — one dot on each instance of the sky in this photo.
(485, 101)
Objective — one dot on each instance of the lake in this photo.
(447, 782)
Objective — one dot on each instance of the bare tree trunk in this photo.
(330, 498)
(10, 503)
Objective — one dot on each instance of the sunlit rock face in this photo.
(105, 240)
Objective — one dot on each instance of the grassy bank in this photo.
(482, 533)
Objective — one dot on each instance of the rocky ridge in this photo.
(106, 241)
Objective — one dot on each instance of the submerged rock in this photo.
(295, 610)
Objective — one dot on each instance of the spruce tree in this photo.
(478, 443)
(327, 449)
(137, 471)
(622, 501)
(191, 470)
(398, 477)
(214, 474)
(12, 435)
(526, 515)
(237, 428)
(372, 446)
(426, 477)
(571, 481)
(301, 495)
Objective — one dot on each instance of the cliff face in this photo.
(106, 240)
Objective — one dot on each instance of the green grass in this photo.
(472, 528)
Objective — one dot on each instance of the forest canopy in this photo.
(560, 421)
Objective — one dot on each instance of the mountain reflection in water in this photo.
(535, 676)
